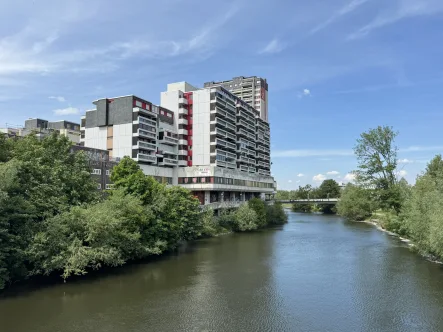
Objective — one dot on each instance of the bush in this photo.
(259, 207)
(275, 214)
(245, 219)
(305, 208)
(355, 203)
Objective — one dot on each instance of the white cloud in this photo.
(311, 153)
(405, 161)
(333, 173)
(348, 8)
(349, 177)
(319, 178)
(402, 173)
(274, 46)
(59, 98)
(290, 181)
(300, 175)
(403, 10)
(67, 111)
(304, 93)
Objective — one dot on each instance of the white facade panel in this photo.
(201, 127)
(96, 137)
(122, 140)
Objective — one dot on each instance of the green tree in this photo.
(275, 214)
(259, 207)
(51, 178)
(355, 203)
(245, 219)
(329, 189)
(128, 176)
(377, 162)
(5, 148)
(435, 167)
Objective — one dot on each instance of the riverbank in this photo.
(378, 224)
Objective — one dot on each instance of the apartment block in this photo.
(42, 128)
(253, 90)
(216, 128)
(132, 126)
(206, 140)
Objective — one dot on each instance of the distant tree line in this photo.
(328, 189)
(54, 221)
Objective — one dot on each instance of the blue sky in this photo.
(335, 68)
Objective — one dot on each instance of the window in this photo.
(108, 172)
(99, 186)
(109, 186)
(97, 171)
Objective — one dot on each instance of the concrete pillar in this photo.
(207, 197)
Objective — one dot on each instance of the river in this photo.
(317, 273)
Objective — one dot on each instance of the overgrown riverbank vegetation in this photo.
(54, 221)
(415, 212)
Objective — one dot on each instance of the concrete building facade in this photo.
(206, 140)
(253, 90)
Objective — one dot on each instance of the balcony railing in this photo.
(145, 112)
(168, 161)
(145, 157)
(147, 146)
(225, 144)
(147, 121)
(183, 110)
(183, 121)
(183, 101)
(145, 133)
(169, 140)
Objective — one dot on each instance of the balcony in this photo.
(145, 133)
(252, 170)
(169, 152)
(147, 121)
(263, 172)
(182, 152)
(183, 163)
(146, 158)
(169, 140)
(144, 112)
(183, 121)
(183, 142)
(224, 144)
(224, 134)
(183, 110)
(225, 125)
(168, 162)
(262, 164)
(145, 146)
(244, 168)
(183, 101)
(182, 132)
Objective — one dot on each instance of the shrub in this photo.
(355, 203)
(245, 219)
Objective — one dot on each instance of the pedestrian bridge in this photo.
(318, 201)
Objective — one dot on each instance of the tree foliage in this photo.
(355, 203)
(245, 219)
(329, 189)
(259, 207)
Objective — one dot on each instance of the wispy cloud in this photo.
(402, 173)
(300, 175)
(311, 153)
(274, 46)
(403, 10)
(67, 111)
(422, 148)
(333, 173)
(59, 98)
(405, 161)
(347, 9)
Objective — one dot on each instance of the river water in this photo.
(317, 273)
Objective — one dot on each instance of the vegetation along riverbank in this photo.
(54, 221)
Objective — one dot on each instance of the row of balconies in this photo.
(246, 125)
(225, 144)
(243, 132)
(224, 134)
(146, 113)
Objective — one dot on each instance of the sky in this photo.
(335, 68)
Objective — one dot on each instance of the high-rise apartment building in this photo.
(206, 140)
(253, 90)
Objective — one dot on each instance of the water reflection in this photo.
(318, 273)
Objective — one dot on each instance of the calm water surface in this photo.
(317, 273)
